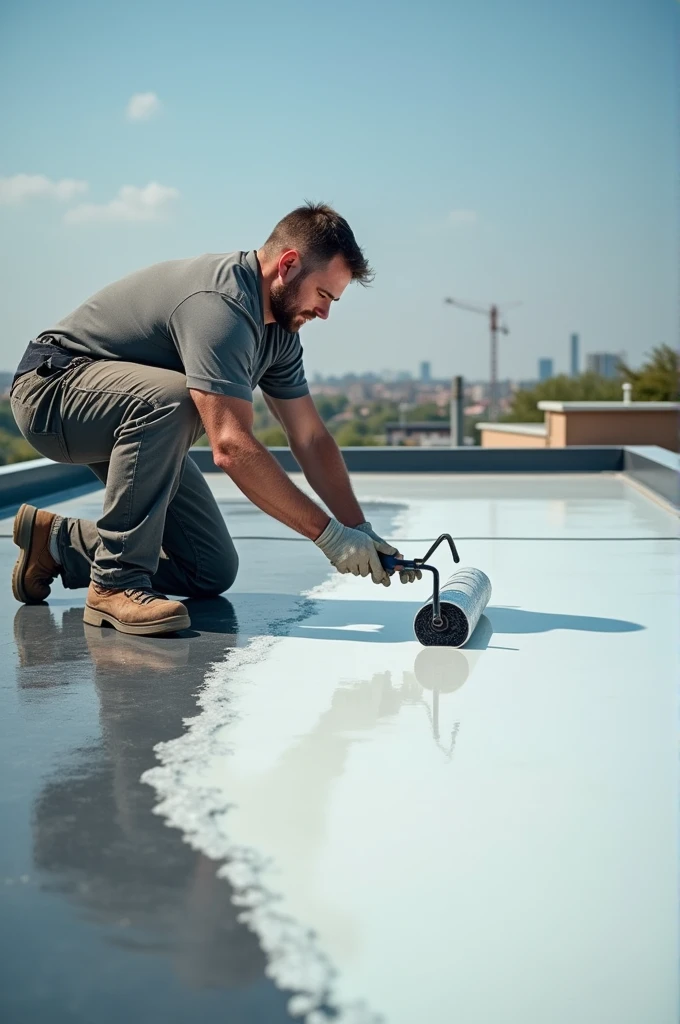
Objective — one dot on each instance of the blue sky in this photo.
(485, 150)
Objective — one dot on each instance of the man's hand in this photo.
(406, 575)
(353, 551)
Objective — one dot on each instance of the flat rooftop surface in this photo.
(294, 811)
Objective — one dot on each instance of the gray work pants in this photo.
(133, 426)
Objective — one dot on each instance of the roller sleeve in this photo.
(463, 599)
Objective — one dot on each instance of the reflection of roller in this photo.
(443, 670)
(450, 617)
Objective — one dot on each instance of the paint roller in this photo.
(449, 618)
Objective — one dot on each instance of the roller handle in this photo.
(391, 563)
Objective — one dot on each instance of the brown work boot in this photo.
(35, 568)
(134, 611)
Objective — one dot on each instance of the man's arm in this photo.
(318, 456)
(324, 467)
(228, 423)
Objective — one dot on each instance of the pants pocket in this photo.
(50, 446)
(36, 412)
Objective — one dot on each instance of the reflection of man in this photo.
(94, 830)
(281, 818)
(127, 383)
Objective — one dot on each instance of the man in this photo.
(130, 380)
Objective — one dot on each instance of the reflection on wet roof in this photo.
(297, 810)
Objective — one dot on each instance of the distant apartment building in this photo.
(573, 355)
(603, 363)
(545, 369)
(425, 373)
(427, 434)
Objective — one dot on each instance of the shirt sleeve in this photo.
(285, 378)
(216, 340)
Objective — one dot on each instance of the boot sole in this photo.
(93, 617)
(24, 522)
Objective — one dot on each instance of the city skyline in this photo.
(591, 361)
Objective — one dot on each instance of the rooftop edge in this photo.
(654, 468)
(550, 406)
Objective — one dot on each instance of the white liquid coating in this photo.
(470, 835)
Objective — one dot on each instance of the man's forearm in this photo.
(256, 472)
(324, 467)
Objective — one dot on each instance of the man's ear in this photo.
(289, 265)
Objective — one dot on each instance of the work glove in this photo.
(406, 575)
(353, 551)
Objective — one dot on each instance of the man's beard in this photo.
(284, 307)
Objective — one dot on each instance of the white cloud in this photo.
(458, 217)
(142, 106)
(36, 186)
(131, 203)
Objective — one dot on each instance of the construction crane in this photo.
(495, 328)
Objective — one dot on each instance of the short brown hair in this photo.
(319, 234)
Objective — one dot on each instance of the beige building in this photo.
(590, 423)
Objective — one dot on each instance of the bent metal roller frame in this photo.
(450, 617)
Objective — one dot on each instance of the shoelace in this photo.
(144, 596)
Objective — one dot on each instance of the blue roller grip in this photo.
(390, 563)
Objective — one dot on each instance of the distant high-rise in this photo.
(425, 373)
(545, 369)
(574, 363)
(603, 363)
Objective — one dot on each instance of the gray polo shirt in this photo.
(201, 316)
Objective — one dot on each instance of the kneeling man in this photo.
(131, 379)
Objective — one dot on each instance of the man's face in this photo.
(296, 297)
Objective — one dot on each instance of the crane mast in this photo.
(495, 328)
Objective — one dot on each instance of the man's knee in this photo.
(219, 575)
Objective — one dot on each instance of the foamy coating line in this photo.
(295, 962)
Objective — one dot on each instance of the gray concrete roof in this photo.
(295, 800)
